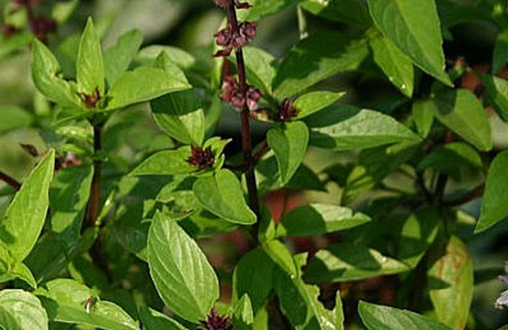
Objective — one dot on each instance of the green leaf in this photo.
(148, 55)
(462, 112)
(497, 94)
(450, 157)
(182, 275)
(13, 117)
(328, 52)
(20, 310)
(47, 79)
(346, 262)
(394, 63)
(167, 162)
(260, 68)
(62, 11)
(243, 316)
(222, 195)
(423, 115)
(374, 166)
(90, 64)
(21, 271)
(500, 56)
(153, 320)
(253, 277)
(355, 12)
(24, 219)
(414, 27)
(451, 283)
(14, 43)
(318, 219)
(280, 255)
(495, 199)
(312, 102)
(142, 84)
(300, 304)
(418, 233)
(68, 197)
(377, 317)
(359, 129)
(66, 301)
(180, 115)
(262, 8)
(118, 58)
(289, 144)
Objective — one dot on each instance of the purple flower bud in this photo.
(249, 29)
(232, 39)
(217, 322)
(42, 26)
(231, 93)
(9, 30)
(286, 111)
(201, 158)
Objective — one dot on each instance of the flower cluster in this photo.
(201, 158)
(286, 111)
(235, 38)
(236, 3)
(502, 301)
(217, 322)
(41, 26)
(232, 93)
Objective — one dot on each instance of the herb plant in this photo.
(344, 211)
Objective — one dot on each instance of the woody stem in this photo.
(245, 114)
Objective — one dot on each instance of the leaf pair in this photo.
(101, 81)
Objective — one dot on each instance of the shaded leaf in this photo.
(462, 112)
(180, 115)
(497, 94)
(118, 58)
(253, 277)
(300, 304)
(13, 117)
(315, 58)
(318, 219)
(346, 262)
(418, 233)
(423, 115)
(68, 196)
(495, 200)
(153, 320)
(355, 12)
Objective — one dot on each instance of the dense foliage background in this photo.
(409, 174)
